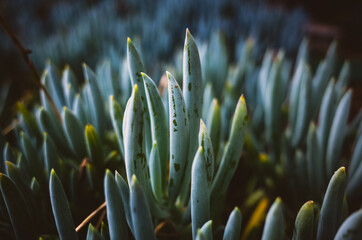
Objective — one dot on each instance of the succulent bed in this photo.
(163, 161)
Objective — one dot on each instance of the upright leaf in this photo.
(274, 223)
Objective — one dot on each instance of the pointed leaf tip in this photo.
(129, 41)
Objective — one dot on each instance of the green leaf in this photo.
(192, 93)
(305, 222)
(179, 138)
(21, 220)
(274, 223)
(115, 211)
(93, 234)
(355, 173)
(94, 146)
(200, 192)
(61, 211)
(233, 226)
(331, 212)
(104, 231)
(351, 228)
(117, 121)
(141, 215)
(232, 152)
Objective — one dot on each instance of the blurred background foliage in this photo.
(68, 32)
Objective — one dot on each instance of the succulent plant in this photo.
(174, 153)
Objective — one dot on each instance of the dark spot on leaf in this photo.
(177, 166)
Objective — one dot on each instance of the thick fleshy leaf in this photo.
(55, 87)
(155, 172)
(315, 163)
(274, 100)
(326, 113)
(96, 103)
(232, 152)
(159, 125)
(179, 137)
(337, 134)
(355, 173)
(351, 229)
(115, 210)
(135, 68)
(305, 222)
(117, 121)
(94, 147)
(206, 230)
(192, 93)
(31, 156)
(19, 214)
(205, 143)
(303, 112)
(51, 157)
(233, 226)
(141, 215)
(74, 133)
(200, 192)
(29, 123)
(274, 223)
(331, 211)
(61, 211)
(213, 124)
(70, 86)
(124, 190)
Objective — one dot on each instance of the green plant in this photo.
(172, 169)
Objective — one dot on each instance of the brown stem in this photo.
(85, 221)
(25, 53)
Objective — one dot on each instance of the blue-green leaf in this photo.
(124, 190)
(74, 133)
(155, 173)
(115, 210)
(55, 87)
(179, 137)
(61, 211)
(274, 223)
(51, 158)
(331, 212)
(351, 228)
(233, 226)
(200, 192)
(213, 124)
(70, 86)
(141, 215)
(21, 220)
(94, 146)
(95, 100)
(117, 121)
(205, 143)
(206, 230)
(232, 152)
(337, 133)
(192, 93)
(159, 125)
